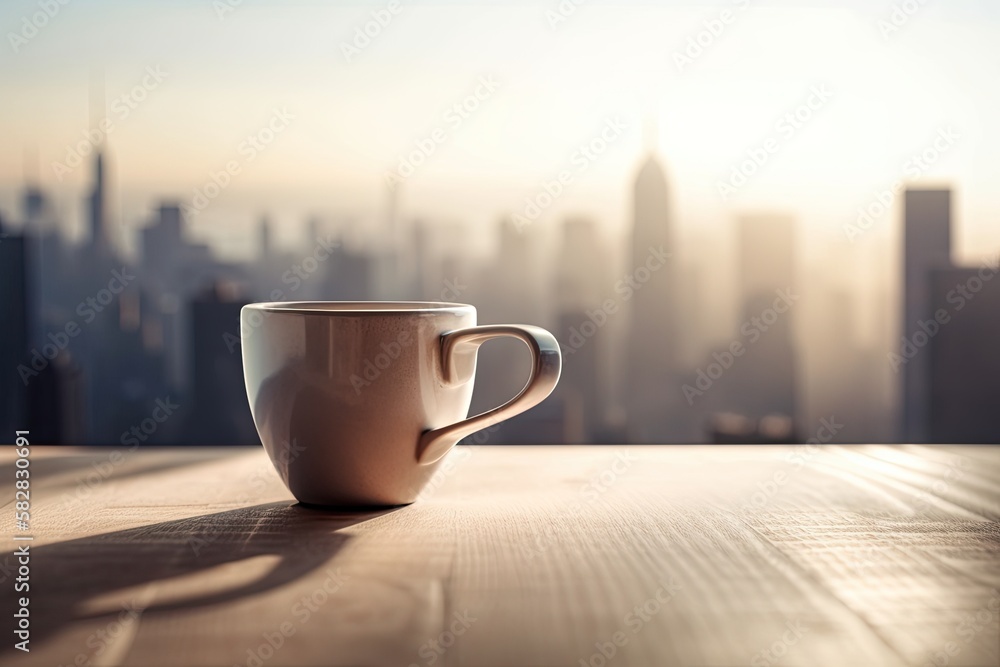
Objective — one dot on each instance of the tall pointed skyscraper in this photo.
(650, 388)
(97, 207)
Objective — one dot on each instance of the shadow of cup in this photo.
(180, 565)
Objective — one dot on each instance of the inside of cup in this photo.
(360, 306)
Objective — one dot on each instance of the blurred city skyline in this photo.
(751, 160)
(649, 355)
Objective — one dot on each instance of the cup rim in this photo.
(331, 308)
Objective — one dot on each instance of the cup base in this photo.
(353, 509)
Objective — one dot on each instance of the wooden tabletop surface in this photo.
(575, 556)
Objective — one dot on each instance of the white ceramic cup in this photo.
(357, 402)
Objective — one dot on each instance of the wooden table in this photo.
(761, 556)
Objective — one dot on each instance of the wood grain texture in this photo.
(862, 555)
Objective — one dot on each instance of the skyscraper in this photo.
(264, 238)
(650, 390)
(173, 270)
(766, 254)
(13, 330)
(963, 357)
(97, 207)
(512, 290)
(220, 414)
(56, 398)
(162, 241)
(764, 376)
(35, 206)
(583, 283)
(926, 246)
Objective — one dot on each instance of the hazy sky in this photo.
(556, 88)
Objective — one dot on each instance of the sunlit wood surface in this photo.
(868, 555)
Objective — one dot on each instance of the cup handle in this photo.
(458, 360)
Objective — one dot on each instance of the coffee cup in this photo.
(357, 403)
